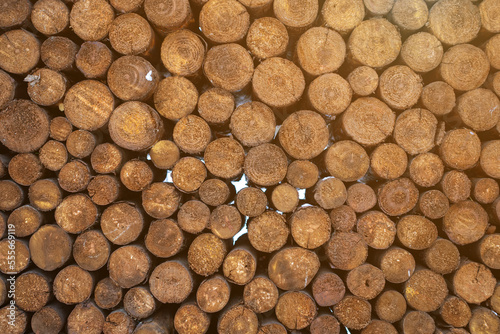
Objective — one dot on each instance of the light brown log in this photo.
(390, 83)
(343, 218)
(91, 250)
(425, 290)
(106, 158)
(160, 200)
(433, 204)
(91, 20)
(377, 229)
(164, 154)
(415, 130)
(129, 265)
(388, 161)
(328, 288)
(192, 134)
(21, 323)
(193, 216)
(225, 221)
(183, 52)
(489, 158)
(465, 222)
(267, 37)
(118, 322)
(329, 193)
(50, 247)
(175, 97)
(293, 268)
(489, 21)
(58, 53)
(486, 190)
(409, 15)
(363, 80)
(85, 316)
(268, 232)
(11, 195)
(161, 322)
(21, 51)
(74, 176)
(93, 59)
(378, 7)
(397, 264)
(206, 254)
(188, 174)
(329, 94)
(416, 232)
(107, 293)
(265, 165)
(240, 265)
(136, 175)
(390, 306)
(417, 322)
(166, 15)
(397, 197)
(346, 250)
(80, 143)
(190, 319)
(347, 161)
(353, 312)
(494, 302)
(251, 201)
(422, 51)
(278, 82)
(484, 321)
(426, 169)
(296, 310)
(438, 97)
(253, 124)
(488, 250)
(139, 303)
(260, 295)
(455, 312)
(456, 186)
(229, 28)
(171, 282)
(460, 149)
(164, 239)
(131, 34)
(24, 221)
(442, 257)
(50, 17)
(213, 294)
(297, 16)
(73, 285)
(310, 227)
(342, 15)
(14, 13)
(50, 319)
(465, 66)
(8, 87)
(122, 223)
(285, 198)
(237, 318)
(365, 281)
(46, 87)
(76, 213)
(479, 109)
(216, 105)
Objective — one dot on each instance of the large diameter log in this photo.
(389, 87)
(192, 134)
(91, 250)
(131, 34)
(310, 227)
(183, 52)
(32, 290)
(416, 232)
(206, 254)
(347, 160)
(50, 17)
(422, 51)
(265, 165)
(14, 13)
(122, 223)
(262, 120)
(378, 230)
(465, 222)
(415, 130)
(473, 282)
(50, 319)
(397, 264)
(73, 285)
(107, 293)
(484, 321)
(425, 290)
(175, 97)
(76, 213)
(397, 197)
(464, 67)
(438, 97)
(442, 257)
(129, 265)
(455, 311)
(160, 200)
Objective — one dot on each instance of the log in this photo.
(192, 134)
(488, 250)
(489, 158)
(80, 143)
(329, 94)
(11, 195)
(253, 124)
(363, 80)
(416, 232)
(425, 290)
(171, 282)
(376, 8)
(20, 324)
(107, 294)
(456, 185)
(167, 16)
(129, 265)
(251, 201)
(25, 169)
(237, 318)
(302, 174)
(190, 319)
(24, 221)
(353, 312)
(397, 264)
(400, 76)
(361, 197)
(122, 223)
(365, 281)
(390, 306)
(215, 26)
(46, 87)
(260, 295)
(442, 257)
(494, 300)
(330, 193)
(183, 53)
(58, 53)
(426, 169)
(417, 322)
(93, 59)
(409, 15)
(50, 17)
(285, 198)
(327, 288)
(91, 250)
(347, 160)
(160, 200)
(164, 239)
(268, 232)
(160, 323)
(265, 165)
(310, 227)
(74, 176)
(476, 66)
(188, 174)
(486, 109)
(8, 85)
(50, 247)
(21, 51)
(485, 190)
(341, 15)
(415, 130)
(193, 216)
(206, 254)
(455, 312)
(14, 13)
(53, 155)
(76, 213)
(438, 97)
(214, 192)
(296, 16)
(388, 161)
(296, 310)
(377, 229)
(60, 128)
(225, 221)
(461, 149)
(85, 316)
(433, 204)
(397, 197)
(483, 321)
(50, 319)
(487, 11)
(131, 34)
(465, 222)
(106, 158)
(73, 285)
(104, 189)
(32, 291)
(126, 6)
(379, 326)
(257, 8)
(267, 37)
(325, 323)
(175, 97)
(139, 303)
(343, 218)
(271, 327)
(346, 250)
(240, 265)
(136, 175)
(293, 268)
(164, 154)
(91, 20)
(213, 293)
(216, 106)
(118, 322)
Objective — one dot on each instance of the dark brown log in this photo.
(328, 288)
(213, 293)
(297, 16)
(267, 37)
(129, 265)
(353, 312)
(238, 319)
(438, 97)
(193, 216)
(415, 130)
(260, 295)
(265, 165)
(225, 221)
(253, 124)
(107, 293)
(390, 306)
(8, 87)
(329, 94)
(24, 126)
(60, 128)
(486, 190)
(192, 134)
(442, 257)
(455, 312)
(268, 232)
(11, 195)
(159, 323)
(175, 97)
(139, 303)
(296, 310)
(118, 322)
(416, 232)
(188, 174)
(160, 200)
(397, 264)
(388, 161)
(426, 169)
(32, 291)
(14, 13)
(425, 290)
(20, 324)
(104, 189)
(216, 105)
(489, 158)
(21, 51)
(171, 282)
(346, 250)
(76, 213)
(377, 229)
(183, 52)
(271, 327)
(50, 247)
(293, 268)
(433, 204)
(167, 16)
(106, 158)
(46, 87)
(80, 143)
(136, 175)
(131, 34)
(73, 285)
(91, 20)
(422, 52)
(240, 265)
(214, 192)
(164, 238)
(190, 319)
(24, 221)
(416, 322)
(365, 281)
(465, 222)
(25, 168)
(343, 218)
(361, 197)
(379, 326)
(122, 223)
(206, 254)
(397, 197)
(50, 319)
(464, 77)
(310, 227)
(484, 321)
(285, 198)
(251, 201)
(74, 176)
(494, 301)
(93, 59)
(325, 323)
(58, 53)
(347, 161)
(164, 154)
(91, 250)
(85, 318)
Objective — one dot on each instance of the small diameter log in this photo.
(236, 319)
(190, 319)
(167, 16)
(388, 161)
(132, 78)
(278, 82)
(268, 232)
(129, 265)
(442, 257)
(343, 218)
(377, 229)
(460, 149)
(302, 174)
(139, 303)
(260, 295)
(365, 281)
(490, 154)
(33, 291)
(353, 312)
(479, 109)
(464, 67)
(271, 326)
(225, 221)
(213, 294)
(13, 263)
(379, 326)
(267, 37)
(175, 97)
(216, 105)
(456, 186)
(58, 53)
(293, 268)
(131, 34)
(135, 126)
(363, 80)
(391, 81)
(489, 21)
(486, 190)
(251, 201)
(193, 216)
(397, 197)
(494, 301)
(361, 197)
(454, 21)
(228, 28)
(416, 232)
(11, 195)
(160, 200)
(378, 7)
(183, 52)
(438, 97)
(106, 158)
(50, 17)
(465, 222)
(206, 254)
(73, 285)
(80, 143)
(296, 310)
(164, 239)
(397, 264)
(91, 250)
(50, 247)
(118, 322)
(484, 321)
(50, 319)
(325, 323)
(21, 51)
(409, 15)
(214, 192)
(285, 198)
(328, 288)
(310, 227)
(46, 87)
(74, 176)
(188, 174)
(171, 282)
(25, 168)
(342, 16)
(296, 16)
(136, 175)
(346, 250)
(473, 282)
(104, 189)
(330, 193)
(93, 59)
(19, 325)
(329, 94)
(91, 20)
(107, 293)
(14, 13)
(265, 165)
(192, 134)
(240, 265)
(417, 322)
(122, 223)
(159, 323)
(85, 315)
(422, 52)
(76, 213)
(60, 128)
(390, 306)
(455, 312)
(228, 66)
(425, 290)
(415, 130)
(347, 161)
(375, 43)
(88, 105)
(7, 89)
(488, 251)
(253, 124)
(24, 126)
(24, 221)
(426, 169)
(164, 154)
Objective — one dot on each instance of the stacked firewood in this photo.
(250, 166)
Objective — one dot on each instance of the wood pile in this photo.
(249, 166)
